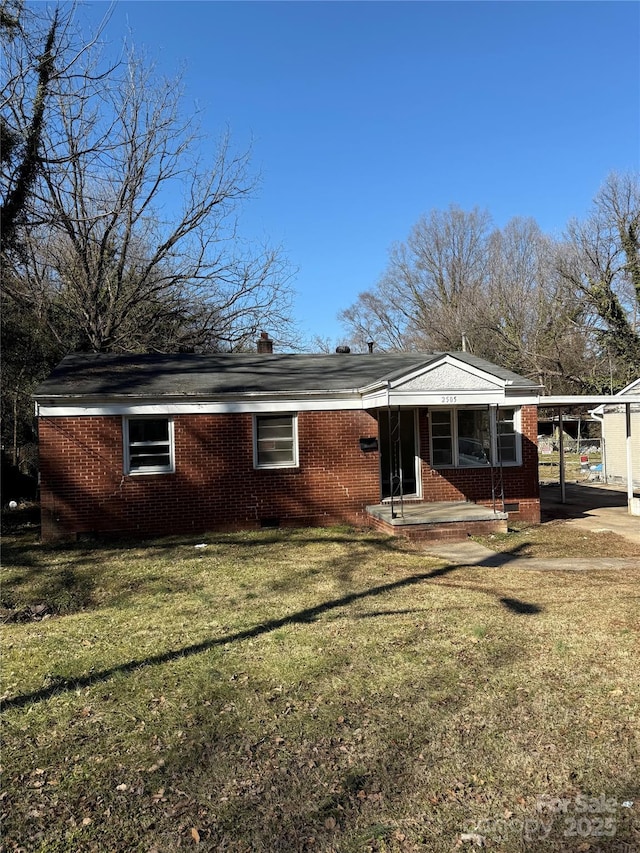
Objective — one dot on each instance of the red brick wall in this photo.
(215, 486)
(84, 489)
(520, 483)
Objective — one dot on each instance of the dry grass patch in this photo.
(558, 539)
(311, 690)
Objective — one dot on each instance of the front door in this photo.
(397, 436)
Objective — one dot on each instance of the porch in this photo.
(442, 520)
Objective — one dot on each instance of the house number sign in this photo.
(449, 399)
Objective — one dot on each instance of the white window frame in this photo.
(493, 432)
(151, 469)
(293, 463)
(516, 432)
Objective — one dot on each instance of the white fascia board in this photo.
(380, 398)
(76, 408)
(447, 399)
(424, 399)
(376, 399)
(586, 400)
(431, 399)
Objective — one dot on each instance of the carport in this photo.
(589, 402)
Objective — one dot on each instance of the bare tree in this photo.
(134, 231)
(432, 291)
(20, 151)
(537, 322)
(119, 220)
(602, 262)
(458, 283)
(378, 315)
(42, 51)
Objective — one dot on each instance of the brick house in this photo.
(160, 444)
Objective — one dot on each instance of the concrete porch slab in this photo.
(443, 520)
(438, 512)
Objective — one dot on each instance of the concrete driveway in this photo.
(591, 506)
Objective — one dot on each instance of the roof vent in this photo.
(265, 344)
(343, 350)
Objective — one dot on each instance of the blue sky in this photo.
(365, 115)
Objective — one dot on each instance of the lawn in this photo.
(317, 690)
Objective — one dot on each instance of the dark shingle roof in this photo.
(209, 376)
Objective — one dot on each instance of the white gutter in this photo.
(586, 400)
(603, 441)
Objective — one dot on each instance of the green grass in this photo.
(318, 690)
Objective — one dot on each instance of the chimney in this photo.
(265, 344)
(370, 346)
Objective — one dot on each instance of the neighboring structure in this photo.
(184, 443)
(614, 435)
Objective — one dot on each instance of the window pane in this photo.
(151, 449)
(506, 420)
(147, 460)
(441, 417)
(275, 457)
(149, 429)
(275, 430)
(474, 440)
(441, 429)
(507, 448)
(442, 451)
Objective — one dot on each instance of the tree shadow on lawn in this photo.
(30, 553)
(301, 617)
(68, 577)
(515, 605)
(74, 585)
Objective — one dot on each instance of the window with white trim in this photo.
(148, 445)
(508, 437)
(275, 441)
(474, 437)
(441, 438)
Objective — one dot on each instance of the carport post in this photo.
(630, 503)
(563, 488)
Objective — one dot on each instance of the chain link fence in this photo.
(583, 460)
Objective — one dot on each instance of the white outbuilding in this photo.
(621, 437)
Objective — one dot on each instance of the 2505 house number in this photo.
(449, 399)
